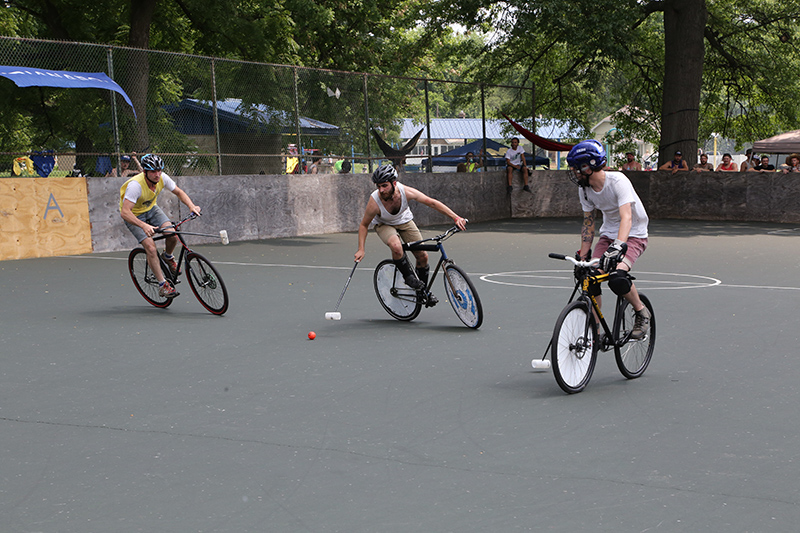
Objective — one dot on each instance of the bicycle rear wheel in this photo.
(634, 356)
(399, 300)
(206, 283)
(574, 347)
(463, 297)
(144, 279)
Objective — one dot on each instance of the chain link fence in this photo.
(211, 116)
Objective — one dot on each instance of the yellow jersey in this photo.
(148, 197)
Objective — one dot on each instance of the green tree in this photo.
(729, 64)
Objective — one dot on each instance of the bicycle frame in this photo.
(185, 250)
(588, 276)
(438, 247)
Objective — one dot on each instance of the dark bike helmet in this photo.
(383, 174)
(586, 154)
(152, 162)
(589, 152)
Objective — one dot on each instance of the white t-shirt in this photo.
(515, 156)
(134, 190)
(617, 191)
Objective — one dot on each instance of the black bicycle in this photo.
(404, 303)
(576, 337)
(204, 279)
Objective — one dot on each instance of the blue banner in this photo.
(37, 77)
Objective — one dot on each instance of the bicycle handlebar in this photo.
(439, 238)
(190, 216)
(585, 264)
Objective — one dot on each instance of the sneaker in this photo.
(509, 189)
(173, 265)
(526, 188)
(431, 300)
(641, 324)
(167, 290)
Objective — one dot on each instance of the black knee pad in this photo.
(620, 282)
(595, 289)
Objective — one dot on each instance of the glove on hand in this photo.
(613, 256)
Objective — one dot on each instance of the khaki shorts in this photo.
(407, 232)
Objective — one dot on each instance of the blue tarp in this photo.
(38, 77)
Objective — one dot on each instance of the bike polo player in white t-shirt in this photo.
(387, 210)
(623, 235)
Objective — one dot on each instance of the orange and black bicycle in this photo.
(581, 330)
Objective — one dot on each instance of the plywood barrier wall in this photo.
(42, 217)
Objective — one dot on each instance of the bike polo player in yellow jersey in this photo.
(137, 206)
(387, 210)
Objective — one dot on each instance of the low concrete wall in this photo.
(267, 206)
(742, 196)
(261, 207)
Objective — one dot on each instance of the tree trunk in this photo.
(137, 75)
(684, 46)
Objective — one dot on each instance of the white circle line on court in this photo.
(711, 282)
(702, 281)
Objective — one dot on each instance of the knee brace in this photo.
(620, 282)
(595, 290)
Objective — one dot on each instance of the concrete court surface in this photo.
(119, 417)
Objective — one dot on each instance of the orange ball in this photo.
(312, 335)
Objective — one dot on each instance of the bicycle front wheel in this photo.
(395, 296)
(206, 283)
(634, 356)
(574, 347)
(463, 297)
(144, 279)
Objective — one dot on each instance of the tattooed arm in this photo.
(587, 234)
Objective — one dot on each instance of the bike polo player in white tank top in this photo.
(388, 212)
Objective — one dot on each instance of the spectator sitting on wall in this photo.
(515, 160)
(703, 165)
(676, 164)
(727, 164)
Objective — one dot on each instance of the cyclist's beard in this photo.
(388, 196)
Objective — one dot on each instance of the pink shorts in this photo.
(635, 248)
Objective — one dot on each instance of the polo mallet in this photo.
(542, 364)
(336, 315)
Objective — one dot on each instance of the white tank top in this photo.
(402, 216)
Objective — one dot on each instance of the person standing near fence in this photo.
(128, 166)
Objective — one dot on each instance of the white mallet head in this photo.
(223, 234)
(333, 316)
(540, 364)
